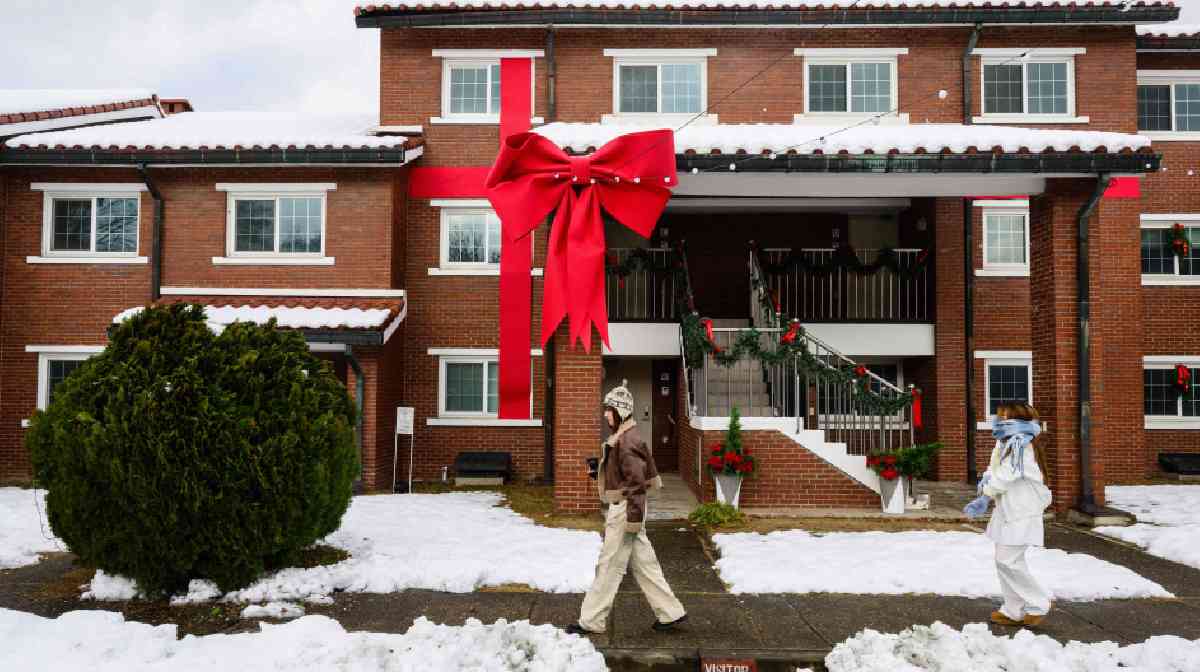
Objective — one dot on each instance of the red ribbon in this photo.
(916, 408)
(792, 332)
(708, 331)
(1183, 378)
(628, 178)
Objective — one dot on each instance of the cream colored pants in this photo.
(1023, 595)
(623, 549)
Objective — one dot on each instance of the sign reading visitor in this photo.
(728, 665)
(404, 420)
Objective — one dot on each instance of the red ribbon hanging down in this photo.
(916, 408)
(629, 178)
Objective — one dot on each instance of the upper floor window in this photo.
(1005, 237)
(275, 223)
(1165, 261)
(660, 81)
(850, 81)
(1029, 85)
(1168, 103)
(471, 83)
(470, 237)
(1167, 406)
(90, 221)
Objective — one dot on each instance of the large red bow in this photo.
(629, 178)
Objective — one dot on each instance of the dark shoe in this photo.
(577, 629)
(664, 627)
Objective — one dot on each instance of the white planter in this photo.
(729, 488)
(891, 495)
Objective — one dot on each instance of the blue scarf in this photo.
(1016, 434)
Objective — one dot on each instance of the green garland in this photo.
(845, 258)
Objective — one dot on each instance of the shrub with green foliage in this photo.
(178, 453)
(715, 514)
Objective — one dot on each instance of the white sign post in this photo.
(404, 425)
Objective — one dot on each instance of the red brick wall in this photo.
(577, 378)
(945, 397)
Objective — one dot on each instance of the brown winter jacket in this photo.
(628, 473)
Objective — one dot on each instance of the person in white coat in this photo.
(1015, 478)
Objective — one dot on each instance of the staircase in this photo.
(744, 385)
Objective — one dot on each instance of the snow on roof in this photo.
(287, 317)
(732, 4)
(1170, 30)
(221, 130)
(813, 139)
(16, 101)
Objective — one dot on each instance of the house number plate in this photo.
(728, 665)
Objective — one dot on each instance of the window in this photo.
(1029, 85)
(470, 238)
(471, 83)
(1168, 102)
(1160, 264)
(55, 364)
(1164, 406)
(81, 222)
(468, 389)
(1006, 241)
(1008, 378)
(276, 223)
(850, 81)
(659, 81)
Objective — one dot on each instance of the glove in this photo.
(977, 507)
(983, 482)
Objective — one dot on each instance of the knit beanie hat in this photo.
(621, 399)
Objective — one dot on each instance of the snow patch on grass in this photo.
(892, 563)
(975, 648)
(278, 610)
(103, 641)
(1168, 519)
(25, 531)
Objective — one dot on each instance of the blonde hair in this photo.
(1024, 411)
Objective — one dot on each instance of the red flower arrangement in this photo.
(885, 465)
(729, 457)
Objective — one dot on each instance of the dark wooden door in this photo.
(664, 373)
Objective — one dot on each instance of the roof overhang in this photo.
(1056, 163)
(389, 156)
(1164, 44)
(768, 17)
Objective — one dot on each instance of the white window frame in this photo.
(1000, 358)
(659, 58)
(997, 269)
(1024, 57)
(1169, 78)
(447, 207)
(482, 356)
(1178, 421)
(48, 353)
(1167, 221)
(273, 191)
(83, 191)
(846, 57)
(479, 58)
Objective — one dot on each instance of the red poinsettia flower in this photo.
(889, 459)
(889, 474)
(715, 462)
(860, 370)
(872, 460)
(733, 458)
(717, 449)
(746, 467)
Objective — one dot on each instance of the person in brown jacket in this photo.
(626, 473)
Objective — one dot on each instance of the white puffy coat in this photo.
(1021, 497)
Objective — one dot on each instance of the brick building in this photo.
(909, 182)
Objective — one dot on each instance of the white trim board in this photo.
(275, 187)
(1004, 354)
(283, 291)
(488, 53)
(274, 261)
(474, 352)
(65, 349)
(482, 422)
(86, 260)
(660, 53)
(1030, 52)
(89, 187)
(851, 53)
(1021, 203)
(1168, 218)
(1171, 360)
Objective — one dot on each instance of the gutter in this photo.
(1087, 495)
(156, 252)
(551, 76)
(39, 156)
(968, 216)
(1079, 164)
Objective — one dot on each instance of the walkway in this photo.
(674, 502)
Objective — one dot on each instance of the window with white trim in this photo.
(284, 222)
(471, 83)
(470, 238)
(53, 369)
(660, 81)
(1168, 103)
(854, 87)
(469, 386)
(1008, 379)
(1159, 260)
(1165, 407)
(1006, 240)
(1029, 85)
(96, 224)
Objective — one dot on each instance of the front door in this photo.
(662, 384)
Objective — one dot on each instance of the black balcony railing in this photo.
(844, 295)
(647, 292)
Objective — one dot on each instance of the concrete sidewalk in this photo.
(778, 631)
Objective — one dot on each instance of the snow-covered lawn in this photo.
(102, 641)
(942, 563)
(975, 648)
(455, 542)
(23, 532)
(1168, 519)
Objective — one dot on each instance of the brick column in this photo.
(577, 380)
(1115, 335)
(946, 397)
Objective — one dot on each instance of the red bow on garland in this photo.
(629, 178)
(708, 331)
(1183, 379)
(792, 333)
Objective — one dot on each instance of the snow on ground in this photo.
(455, 542)
(942, 563)
(24, 531)
(975, 648)
(1168, 519)
(279, 610)
(102, 641)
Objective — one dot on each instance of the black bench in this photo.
(1186, 464)
(484, 464)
